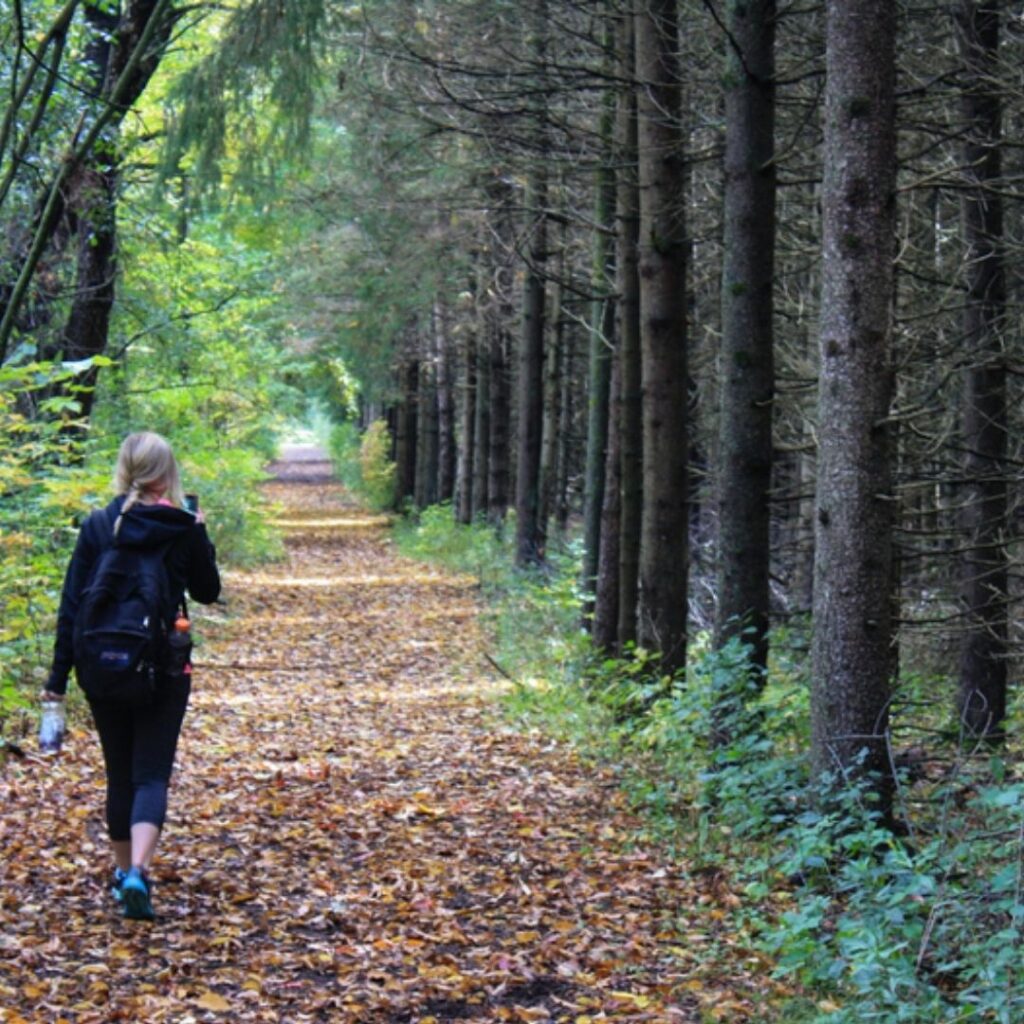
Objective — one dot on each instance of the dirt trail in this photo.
(354, 836)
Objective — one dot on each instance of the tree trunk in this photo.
(483, 421)
(566, 453)
(529, 529)
(747, 368)
(499, 370)
(554, 356)
(405, 431)
(630, 422)
(602, 329)
(467, 417)
(664, 529)
(427, 440)
(984, 590)
(605, 628)
(446, 448)
(853, 629)
(88, 324)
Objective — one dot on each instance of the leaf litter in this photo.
(354, 836)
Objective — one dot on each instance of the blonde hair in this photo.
(144, 463)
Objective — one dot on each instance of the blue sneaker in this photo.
(135, 896)
(115, 885)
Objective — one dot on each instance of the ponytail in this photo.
(144, 462)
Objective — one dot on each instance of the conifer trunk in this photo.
(405, 431)
(482, 421)
(664, 528)
(747, 367)
(605, 629)
(602, 329)
(630, 423)
(530, 384)
(446, 453)
(853, 629)
(985, 569)
(467, 417)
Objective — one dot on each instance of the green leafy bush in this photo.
(376, 469)
(362, 462)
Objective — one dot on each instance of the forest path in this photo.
(354, 836)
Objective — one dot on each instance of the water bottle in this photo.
(51, 726)
(179, 643)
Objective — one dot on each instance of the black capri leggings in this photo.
(138, 749)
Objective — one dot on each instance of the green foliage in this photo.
(244, 106)
(375, 468)
(362, 463)
(41, 474)
(343, 448)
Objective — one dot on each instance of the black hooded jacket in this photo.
(191, 565)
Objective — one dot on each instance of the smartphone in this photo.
(192, 503)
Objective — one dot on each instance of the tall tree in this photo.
(664, 529)
(983, 650)
(628, 446)
(853, 628)
(602, 326)
(747, 358)
(529, 529)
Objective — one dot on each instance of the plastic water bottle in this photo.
(180, 648)
(51, 726)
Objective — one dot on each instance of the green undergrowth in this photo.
(361, 462)
(917, 924)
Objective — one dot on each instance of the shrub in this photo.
(375, 467)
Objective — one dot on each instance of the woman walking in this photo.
(138, 739)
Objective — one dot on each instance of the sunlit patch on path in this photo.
(354, 836)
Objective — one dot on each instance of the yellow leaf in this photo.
(525, 937)
(641, 1001)
(212, 1001)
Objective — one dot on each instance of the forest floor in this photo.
(355, 835)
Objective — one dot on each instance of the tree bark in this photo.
(664, 528)
(554, 356)
(602, 329)
(500, 434)
(605, 629)
(983, 502)
(499, 370)
(566, 447)
(630, 423)
(747, 366)
(446, 448)
(427, 437)
(467, 417)
(405, 431)
(482, 421)
(529, 531)
(853, 629)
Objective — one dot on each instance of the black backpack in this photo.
(121, 626)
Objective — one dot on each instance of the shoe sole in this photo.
(137, 905)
